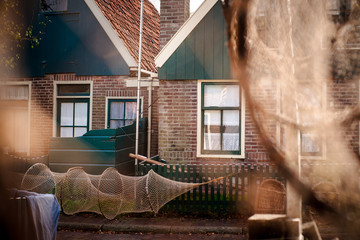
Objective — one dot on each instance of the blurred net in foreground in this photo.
(303, 68)
(110, 193)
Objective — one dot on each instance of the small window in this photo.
(53, 5)
(73, 109)
(220, 118)
(121, 112)
(73, 90)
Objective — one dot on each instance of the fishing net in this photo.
(110, 193)
(303, 68)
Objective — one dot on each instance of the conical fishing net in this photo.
(110, 193)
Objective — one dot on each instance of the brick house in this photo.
(194, 73)
(83, 74)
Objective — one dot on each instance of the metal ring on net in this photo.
(38, 178)
(110, 193)
(75, 191)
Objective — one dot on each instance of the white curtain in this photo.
(67, 114)
(212, 123)
(231, 130)
(81, 114)
(221, 96)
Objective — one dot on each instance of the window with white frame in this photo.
(121, 112)
(311, 112)
(221, 119)
(14, 110)
(73, 107)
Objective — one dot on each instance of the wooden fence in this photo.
(233, 195)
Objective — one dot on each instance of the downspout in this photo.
(149, 120)
(138, 87)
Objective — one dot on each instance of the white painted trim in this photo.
(183, 32)
(120, 98)
(55, 97)
(110, 31)
(242, 121)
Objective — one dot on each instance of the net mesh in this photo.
(304, 69)
(110, 193)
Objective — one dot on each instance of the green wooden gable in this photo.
(203, 54)
(72, 41)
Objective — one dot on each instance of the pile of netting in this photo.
(109, 194)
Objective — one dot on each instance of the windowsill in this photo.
(220, 156)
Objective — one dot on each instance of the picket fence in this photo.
(234, 194)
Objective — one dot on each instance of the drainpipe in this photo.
(149, 119)
(138, 87)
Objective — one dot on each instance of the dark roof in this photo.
(124, 16)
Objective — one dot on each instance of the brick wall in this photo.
(42, 92)
(177, 118)
(173, 13)
(343, 95)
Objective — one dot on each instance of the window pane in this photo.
(212, 141)
(79, 131)
(66, 118)
(81, 114)
(231, 130)
(221, 96)
(66, 132)
(74, 89)
(130, 110)
(116, 123)
(212, 123)
(116, 110)
(309, 144)
(231, 141)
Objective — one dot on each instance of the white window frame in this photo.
(121, 98)
(28, 84)
(242, 123)
(322, 156)
(56, 97)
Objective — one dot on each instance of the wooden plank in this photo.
(188, 202)
(183, 180)
(201, 202)
(218, 42)
(212, 196)
(218, 190)
(239, 202)
(226, 59)
(224, 173)
(180, 62)
(209, 45)
(190, 56)
(176, 178)
(199, 54)
(231, 196)
(206, 175)
(170, 67)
